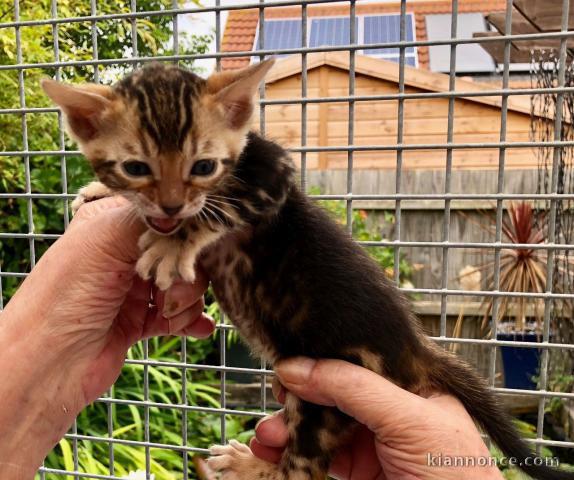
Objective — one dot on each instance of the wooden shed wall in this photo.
(425, 121)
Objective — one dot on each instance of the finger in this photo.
(203, 327)
(186, 318)
(110, 226)
(91, 209)
(358, 459)
(278, 390)
(155, 323)
(264, 452)
(271, 431)
(369, 398)
(141, 289)
(180, 296)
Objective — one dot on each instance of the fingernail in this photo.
(261, 422)
(295, 370)
(268, 417)
(178, 298)
(172, 304)
(171, 308)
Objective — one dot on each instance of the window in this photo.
(470, 57)
(370, 29)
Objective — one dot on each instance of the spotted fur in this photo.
(291, 279)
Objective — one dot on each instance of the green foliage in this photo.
(166, 386)
(559, 382)
(365, 232)
(50, 173)
(526, 430)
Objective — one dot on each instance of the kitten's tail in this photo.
(451, 375)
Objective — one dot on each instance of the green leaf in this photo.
(67, 456)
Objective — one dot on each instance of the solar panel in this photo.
(387, 28)
(282, 34)
(331, 31)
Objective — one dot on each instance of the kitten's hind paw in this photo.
(92, 191)
(236, 462)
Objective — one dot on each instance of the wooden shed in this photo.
(476, 119)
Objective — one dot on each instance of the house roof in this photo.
(389, 71)
(241, 27)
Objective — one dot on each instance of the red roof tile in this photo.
(240, 30)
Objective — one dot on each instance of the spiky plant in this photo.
(522, 269)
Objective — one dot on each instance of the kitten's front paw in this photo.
(236, 462)
(165, 259)
(92, 191)
(159, 260)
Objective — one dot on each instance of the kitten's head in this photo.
(163, 137)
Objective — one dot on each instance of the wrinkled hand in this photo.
(68, 328)
(398, 431)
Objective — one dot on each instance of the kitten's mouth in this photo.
(165, 226)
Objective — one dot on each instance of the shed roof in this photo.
(241, 27)
(389, 71)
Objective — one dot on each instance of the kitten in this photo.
(292, 281)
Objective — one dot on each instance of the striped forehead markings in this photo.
(164, 97)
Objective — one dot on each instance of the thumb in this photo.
(360, 393)
(110, 225)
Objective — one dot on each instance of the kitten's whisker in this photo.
(229, 215)
(217, 217)
(220, 209)
(216, 195)
(204, 216)
(225, 218)
(240, 180)
(222, 197)
(222, 202)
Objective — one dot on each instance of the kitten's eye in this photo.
(203, 167)
(136, 168)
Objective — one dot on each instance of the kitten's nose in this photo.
(171, 210)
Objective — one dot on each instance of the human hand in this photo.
(398, 431)
(65, 334)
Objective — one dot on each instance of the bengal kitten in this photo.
(292, 281)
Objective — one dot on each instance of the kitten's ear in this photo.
(236, 90)
(83, 106)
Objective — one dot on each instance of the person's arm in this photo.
(65, 334)
(401, 435)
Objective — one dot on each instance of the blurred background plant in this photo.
(522, 270)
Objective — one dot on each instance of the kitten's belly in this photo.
(229, 270)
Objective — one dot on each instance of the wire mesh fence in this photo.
(176, 396)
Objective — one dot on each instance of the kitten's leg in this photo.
(315, 433)
(92, 191)
(170, 257)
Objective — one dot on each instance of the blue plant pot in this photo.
(520, 364)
